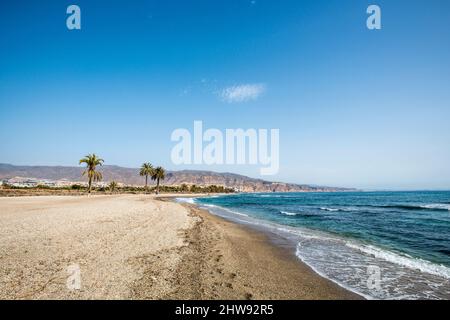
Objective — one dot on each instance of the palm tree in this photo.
(112, 186)
(158, 174)
(92, 161)
(146, 170)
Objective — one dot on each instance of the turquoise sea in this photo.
(382, 245)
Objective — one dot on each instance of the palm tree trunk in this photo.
(90, 183)
(146, 177)
(157, 186)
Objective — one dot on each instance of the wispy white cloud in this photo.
(242, 93)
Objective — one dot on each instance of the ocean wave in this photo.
(380, 253)
(342, 284)
(402, 260)
(225, 209)
(359, 207)
(274, 196)
(186, 200)
(289, 213)
(309, 212)
(345, 262)
(431, 206)
(303, 214)
(437, 206)
(330, 209)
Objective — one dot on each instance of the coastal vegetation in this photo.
(94, 176)
(78, 189)
(31, 186)
(113, 186)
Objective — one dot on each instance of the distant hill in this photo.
(130, 176)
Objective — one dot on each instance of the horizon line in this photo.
(356, 189)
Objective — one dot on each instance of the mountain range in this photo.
(130, 176)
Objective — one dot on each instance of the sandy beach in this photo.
(141, 247)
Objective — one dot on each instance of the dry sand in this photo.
(139, 247)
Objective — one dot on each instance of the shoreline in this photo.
(287, 247)
(347, 261)
(250, 264)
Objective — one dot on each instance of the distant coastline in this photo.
(63, 176)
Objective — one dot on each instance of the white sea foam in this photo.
(186, 200)
(439, 206)
(346, 261)
(225, 209)
(289, 213)
(403, 260)
(324, 275)
(329, 209)
(274, 196)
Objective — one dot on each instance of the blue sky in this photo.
(355, 107)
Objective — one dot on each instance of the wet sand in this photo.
(140, 247)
